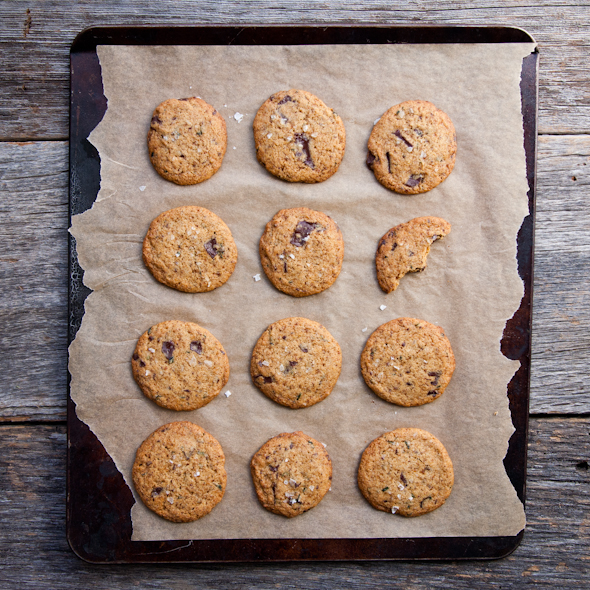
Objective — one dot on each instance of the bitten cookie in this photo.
(190, 249)
(412, 147)
(408, 362)
(301, 251)
(179, 365)
(187, 140)
(296, 362)
(291, 472)
(298, 138)
(404, 249)
(407, 471)
(179, 472)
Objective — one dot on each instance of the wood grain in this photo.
(34, 551)
(35, 37)
(33, 273)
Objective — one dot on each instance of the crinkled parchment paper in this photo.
(470, 287)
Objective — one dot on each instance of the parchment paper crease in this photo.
(470, 287)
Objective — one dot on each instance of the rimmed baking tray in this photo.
(98, 499)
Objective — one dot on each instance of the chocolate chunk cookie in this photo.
(190, 249)
(296, 362)
(179, 472)
(408, 362)
(412, 147)
(179, 365)
(404, 249)
(291, 472)
(187, 140)
(407, 471)
(298, 138)
(301, 251)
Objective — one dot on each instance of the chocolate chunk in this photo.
(285, 99)
(292, 363)
(432, 393)
(394, 246)
(398, 134)
(302, 231)
(414, 180)
(141, 363)
(197, 347)
(273, 468)
(388, 162)
(303, 349)
(264, 379)
(403, 479)
(135, 356)
(168, 349)
(303, 140)
(371, 160)
(211, 247)
(157, 492)
(436, 375)
(157, 120)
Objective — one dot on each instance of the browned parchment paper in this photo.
(471, 286)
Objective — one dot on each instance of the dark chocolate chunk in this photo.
(292, 363)
(414, 180)
(371, 160)
(398, 134)
(135, 356)
(303, 140)
(273, 468)
(403, 479)
(157, 120)
(436, 375)
(211, 247)
(303, 349)
(302, 231)
(388, 162)
(168, 349)
(197, 347)
(285, 99)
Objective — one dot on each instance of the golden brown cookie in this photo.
(190, 249)
(179, 365)
(407, 471)
(408, 362)
(298, 138)
(296, 362)
(187, 140)
(412, 147)
(179, 472)
(404, 249)
(301, 251)
(291, 472)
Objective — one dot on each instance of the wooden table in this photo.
(35, 38)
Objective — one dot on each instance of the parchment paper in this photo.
(470, 287)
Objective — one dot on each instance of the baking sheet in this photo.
(484, 199)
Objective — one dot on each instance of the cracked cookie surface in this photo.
(407, 471)
(405, 247)
(179, 365)
(298, 138)
(179, 472)
(301, 251)
(412, 147)
(408, 362)
(190, 249)
(187, 140)
(296, 362)
(291, 473)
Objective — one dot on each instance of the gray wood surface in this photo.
(35, 37)
(553, 554)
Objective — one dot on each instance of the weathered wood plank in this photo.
(36, 35)
(33, 273)
(553, 554)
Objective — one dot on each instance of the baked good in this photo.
(408, 362)
(187, 140)
(296, 362)
(301, 251)
(179, 365)
(190, 249)
(412, 147)
(291, 472)
(407, 471)
(404, 249)
(179, 472)
(298, 138)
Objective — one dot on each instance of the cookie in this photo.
(407, 471)
(187, 140)
(179, 472)
(412, 147)
(404, 249)
(291, 472)
(296, 362)
(179, 365)
(190, 249)
(301, 251)
(298, 138)
(408, 362)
